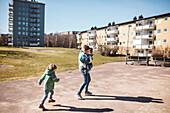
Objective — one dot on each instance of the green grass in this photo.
(29, 64)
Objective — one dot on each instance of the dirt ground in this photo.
(116, 88)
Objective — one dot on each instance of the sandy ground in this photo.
(116, 88)
(5, 66)
(49, 51)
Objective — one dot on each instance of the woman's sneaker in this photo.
(88, 93)
(51, 100)
(42, 107)
(80, 97)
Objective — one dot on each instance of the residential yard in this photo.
(29, 64)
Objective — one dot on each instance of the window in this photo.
(120, 43)
(23, 33)
(26, 28)
(23, 14)
(26, 14)
(151, 42)
(38, 34)
(19, 33)
(123, 42)
(23, 28)
(166, 18)
(23, 18)
(26, 19)
(19, 3)
(164, 41)
(19, 18)
(19, 28)
(23, 9)
(158, 42)
(27, 24)
(19, 23)
(26, 33)
(159, 31)
(23, 23)
(159, 21)
(38, 20)
(19, 8)
(19, 13)
(165, 30)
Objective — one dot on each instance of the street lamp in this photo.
(127, 43)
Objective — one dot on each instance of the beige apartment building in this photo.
(145, 34)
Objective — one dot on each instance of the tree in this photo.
(109, 24)
(135, 18)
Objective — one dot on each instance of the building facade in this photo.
(140, 35)
(26, 23)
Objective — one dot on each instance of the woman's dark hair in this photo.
(54, 67)
(86, 48)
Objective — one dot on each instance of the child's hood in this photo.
(49, 71)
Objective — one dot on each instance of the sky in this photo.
(80, 15)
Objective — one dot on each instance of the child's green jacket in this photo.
(49, 78)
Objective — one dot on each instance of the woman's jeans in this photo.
(86, 81)
(46, 95)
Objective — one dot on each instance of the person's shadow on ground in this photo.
(126, 98)
(75, 109)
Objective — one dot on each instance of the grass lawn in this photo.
(29, 64)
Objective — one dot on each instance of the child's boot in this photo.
(51, 100)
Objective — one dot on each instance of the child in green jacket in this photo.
(49, 78)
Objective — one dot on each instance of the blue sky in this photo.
(79, 15)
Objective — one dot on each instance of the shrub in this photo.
(106, 50)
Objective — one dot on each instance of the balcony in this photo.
(143, 46)
(34, 12)
(145, 36)
(91, 41)
(92, 34)
(32, 7)
(138, 28)
(111, 39)
(149, 27)
(11, 4)
(10, 44)
(138, 37)
(10, 29)
(33, 44)
(149, 36)
(113, 31)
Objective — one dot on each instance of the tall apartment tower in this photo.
(26, 23)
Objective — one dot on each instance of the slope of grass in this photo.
(32, 64)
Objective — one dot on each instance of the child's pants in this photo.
(46, 95)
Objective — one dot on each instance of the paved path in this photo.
(117, 88)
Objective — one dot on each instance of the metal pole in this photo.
(127, 44)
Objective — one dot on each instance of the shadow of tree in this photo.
(126, 98)
(75, 109)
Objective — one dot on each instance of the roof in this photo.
(27, 1)
(157, 16)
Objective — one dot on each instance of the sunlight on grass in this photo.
(33, 64)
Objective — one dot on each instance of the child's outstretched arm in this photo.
(41, 79)
(54, 78)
